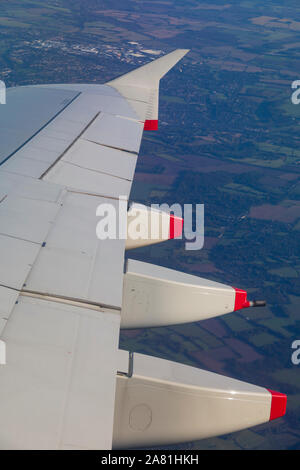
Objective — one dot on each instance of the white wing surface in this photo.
(64, 150)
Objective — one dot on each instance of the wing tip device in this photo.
(142, 84)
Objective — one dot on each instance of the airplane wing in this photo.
(66, 150)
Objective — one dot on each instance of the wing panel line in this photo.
(71, 145)
(42, 128)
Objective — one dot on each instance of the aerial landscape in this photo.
(228, 138)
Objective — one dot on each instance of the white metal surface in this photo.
(150, 73)
(82, 110)
(116, 132)
(27, 187)
(156, 296)
(17, 258)
(89, 181)
(51, 143)
(102, 159)
(166, 403)
(8, 298)
(106, 99)
(25, 166)
(116, 104)
(65, 128)
(27, 111)
(45, 141)
(27, 219)
(143, 83)
(57, 388)
(74, 263)
(147, 226)
(43, 155)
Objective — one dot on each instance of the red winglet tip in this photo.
(278, 405)
(151, 125)
(240, 299)
(176, 227)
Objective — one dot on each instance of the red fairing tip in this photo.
(278, 405)
(176, 227)
(151, 125)
(240, 299)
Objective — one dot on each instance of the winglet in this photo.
(142, 84)
(149, 75)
